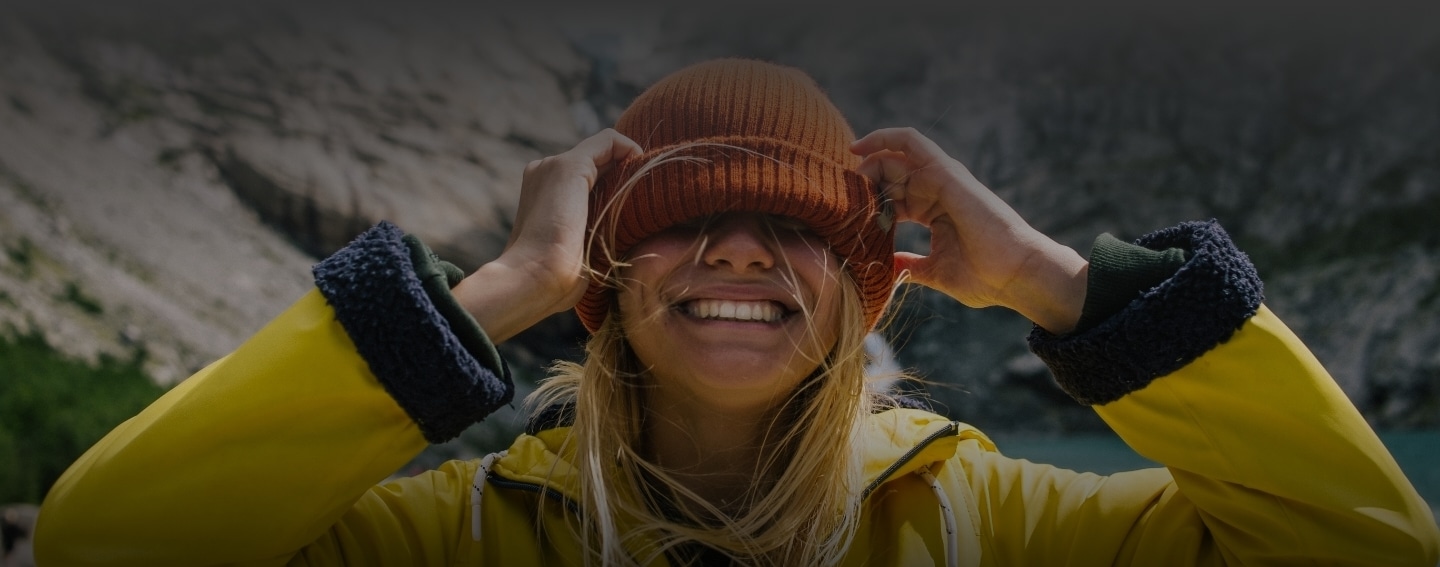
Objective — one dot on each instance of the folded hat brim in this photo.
(666, 186)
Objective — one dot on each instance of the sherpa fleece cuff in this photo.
(415, 352)
(1164, 327)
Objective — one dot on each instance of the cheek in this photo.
(647, 267)
(654, 258)
(635, 301)
(828, 317)
(822, 275)
(638, 286)
(825, 280)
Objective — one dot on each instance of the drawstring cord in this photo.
(952, 536)
(477, 491)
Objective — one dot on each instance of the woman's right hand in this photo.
(542, 269)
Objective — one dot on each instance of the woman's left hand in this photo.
(981, 252)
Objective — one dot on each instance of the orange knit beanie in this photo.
(773, 143)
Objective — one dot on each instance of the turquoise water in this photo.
(1418, 453)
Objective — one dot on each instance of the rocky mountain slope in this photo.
(169, 171)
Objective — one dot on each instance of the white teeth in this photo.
(766, 311)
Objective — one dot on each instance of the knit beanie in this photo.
(771, 142)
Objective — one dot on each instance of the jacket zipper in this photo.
(503, 482)
(950, 429)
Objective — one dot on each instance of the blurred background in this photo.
(170, 170)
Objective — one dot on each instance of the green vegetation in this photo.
(74, 296)
(53, 408)
(22, 254)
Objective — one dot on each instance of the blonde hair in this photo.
(803, 508)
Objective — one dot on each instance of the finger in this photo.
(606, 148)
(905, 140)
(890, 170)
(884, 166)
(893, 172)
(903, 213)
(556, 179)
(916, 266)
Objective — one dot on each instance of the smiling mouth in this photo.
(731, 310)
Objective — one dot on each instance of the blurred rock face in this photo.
(169, 178)
(165, 183)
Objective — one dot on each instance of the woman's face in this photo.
(717, 308)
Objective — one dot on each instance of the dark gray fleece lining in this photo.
(409, 345)
(1166, 327)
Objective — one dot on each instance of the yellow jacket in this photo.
(271, 455)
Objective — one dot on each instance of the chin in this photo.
(743, 387)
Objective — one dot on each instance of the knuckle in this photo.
(564, 165)
(550, 162)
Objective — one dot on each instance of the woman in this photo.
(729, 245)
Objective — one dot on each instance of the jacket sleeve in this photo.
(1266, 460)
(270, 454)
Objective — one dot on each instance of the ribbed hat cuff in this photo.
(739, 174)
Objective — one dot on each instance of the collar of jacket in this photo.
(896, 443)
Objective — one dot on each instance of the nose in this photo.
(739, 243)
